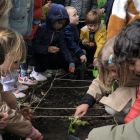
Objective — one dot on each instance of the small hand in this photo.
(85, 42)
(91, 44)
(81, 110)
(83, 58)
(53, 49)
(3, 120)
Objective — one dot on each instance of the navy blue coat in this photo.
(72, 39)
(47, 36)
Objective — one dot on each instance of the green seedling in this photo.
(74, 124)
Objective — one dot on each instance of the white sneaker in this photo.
(21, 87)
(38, 76)
(19, 94)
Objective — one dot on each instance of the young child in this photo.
(49, 45)
(82, 7)
(101, 88)
(14, 52)
(9, 81)
(127, 54)
(72, 35)
(93, 36)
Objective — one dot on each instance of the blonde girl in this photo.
(14, 51)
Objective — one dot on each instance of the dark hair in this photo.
(127, 47)
(127, 44)
(92, 17)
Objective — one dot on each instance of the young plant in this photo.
(74, 124)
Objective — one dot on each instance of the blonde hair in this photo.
(68, 8)
(14, 48)
(92, 17)
(103, 61)
(5, 6)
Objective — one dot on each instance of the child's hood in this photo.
(55, 13)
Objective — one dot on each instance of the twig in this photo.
(41, 116)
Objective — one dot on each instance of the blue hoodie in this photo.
(47, 36)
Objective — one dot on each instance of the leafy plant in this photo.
(74, 123)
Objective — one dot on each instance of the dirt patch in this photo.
(57, 99)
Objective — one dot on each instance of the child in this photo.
(127, 54)
(15, 51)
(9, 81)
(49, 46)
(24, 77)
(93, 36)
(101, 88)
(82, 7)
(72, 35)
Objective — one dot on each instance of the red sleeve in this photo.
(135, 109)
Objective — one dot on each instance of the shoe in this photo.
(60, 72)
(49, 73)
(27, 80)
(18, 94)
(21, 87)
(38, 76)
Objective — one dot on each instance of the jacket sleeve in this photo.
(39, 43)
(65, 51)
(97, 89)
(120, 132)
(100, 40)
(71, 44)
(16, 122)
(88, 99)
(134, 111)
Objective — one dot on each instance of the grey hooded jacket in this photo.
(21, 16)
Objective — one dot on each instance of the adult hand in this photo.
(81, 110)
(53, 49)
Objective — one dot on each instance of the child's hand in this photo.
(83, 58)
(35, 135)
(85, 42)
(91, 44)
(27, 113)
(3, 120)
(53, 49)
(95, 62)
(71, 67)
(81, 110)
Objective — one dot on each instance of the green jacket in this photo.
(130, 131)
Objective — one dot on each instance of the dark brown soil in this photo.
(51, 115)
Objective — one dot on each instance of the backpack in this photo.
(21, 16)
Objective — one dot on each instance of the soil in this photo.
(51, 114)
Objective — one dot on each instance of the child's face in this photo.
(93, 27)
(73, 16)
(112, 71)
(59, 24)
(135, 65)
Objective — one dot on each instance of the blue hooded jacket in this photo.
(47, 36)
(73, 40)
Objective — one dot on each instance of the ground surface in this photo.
(56, 101)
